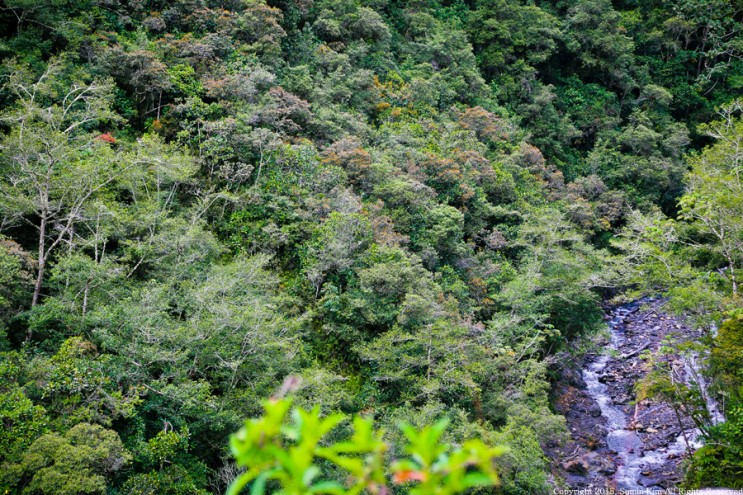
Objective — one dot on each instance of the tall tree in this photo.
(714, 198)
(54, 160)
(58, 167)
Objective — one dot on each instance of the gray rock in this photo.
(577, 467)
(594, 410)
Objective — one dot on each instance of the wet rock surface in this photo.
(617, 442)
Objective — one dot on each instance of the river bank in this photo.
(620, 443)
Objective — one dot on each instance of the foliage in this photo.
(78, 462)
(720, 461)
(695, 258)
(411, 205)
(290, 456)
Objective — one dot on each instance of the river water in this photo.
(633, 456)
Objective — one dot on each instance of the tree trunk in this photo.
(42, 261)
(85, 297)
(689, 451)
(42, 266)
(733, 279)
(39, 281)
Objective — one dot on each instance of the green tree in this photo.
(23, 420)
(81, 461)
(506, 33)
(16, 280)
(713, 202)
(425, 362)
(53, 161)
(594, 33)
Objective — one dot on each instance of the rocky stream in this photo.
(619, 443)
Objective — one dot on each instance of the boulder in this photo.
(576, 466)
(594, 410)
(598, 463)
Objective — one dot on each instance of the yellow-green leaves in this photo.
(288, 453)
(287, 457)
(440, 472)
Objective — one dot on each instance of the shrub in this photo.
(288, 457)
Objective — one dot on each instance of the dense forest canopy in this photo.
(414, 207)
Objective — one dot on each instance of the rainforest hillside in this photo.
(415, 209)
